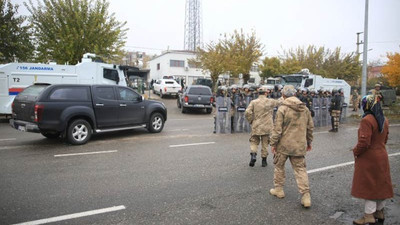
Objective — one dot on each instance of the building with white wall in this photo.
(176, 63)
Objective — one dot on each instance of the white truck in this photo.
(312, 81)
(165, 87)
(15, 77)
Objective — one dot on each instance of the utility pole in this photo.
(358, 43)
(365, 53)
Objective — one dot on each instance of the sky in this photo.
(157, 25)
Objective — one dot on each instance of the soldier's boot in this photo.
(366, 219)
(379, 215)
(253, 159)
(278, 192)
(306, 200)
(264, 162)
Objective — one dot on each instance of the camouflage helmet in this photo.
(246, 86)
(262, 89)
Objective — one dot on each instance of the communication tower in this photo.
(193, 25)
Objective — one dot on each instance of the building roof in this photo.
(187, 52)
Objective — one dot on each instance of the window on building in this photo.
(193, 65)
(176, 63)
(158, 66)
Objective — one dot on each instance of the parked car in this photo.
(195, 97)
(75, 112)
(166, 87)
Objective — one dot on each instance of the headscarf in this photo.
(371, 105)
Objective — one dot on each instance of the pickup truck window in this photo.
(127, 95)
(199, 91)
(33, 90)
(70, 93)
(106, 93)
(169, 82)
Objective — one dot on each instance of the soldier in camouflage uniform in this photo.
(377, 93)
(291, 139)
(335, 110)
(259, 114)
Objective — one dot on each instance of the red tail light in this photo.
(165, 89)
(38, 112)
(211, 100)
(186, 98)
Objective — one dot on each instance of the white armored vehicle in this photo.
(15, 77)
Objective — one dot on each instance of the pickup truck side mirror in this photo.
(140, 98)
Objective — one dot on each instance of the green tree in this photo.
(270, 67)
(342, 66)
(212, 59)
(325, 62)
(243, 51)
(14, 36)
(311, 58)
(66, 29)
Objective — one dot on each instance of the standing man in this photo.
(355, 100)
(259, 114)
(377, 93)
(335, 110)
(291, 138)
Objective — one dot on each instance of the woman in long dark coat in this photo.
(372, 181)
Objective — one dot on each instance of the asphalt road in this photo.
(183, 175)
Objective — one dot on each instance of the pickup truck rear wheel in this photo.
(50, 134)
(79, 132)
(156, 123)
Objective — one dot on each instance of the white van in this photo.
(15, 77)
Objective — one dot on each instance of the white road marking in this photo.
(321, 132)
(73, 216)
(194, 119)
(8, 139)
(394, 125)
(86, 153)
(341, 165)
(11, 147)
(192, 144)
(179, 130)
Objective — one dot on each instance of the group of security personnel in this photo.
(324, 105)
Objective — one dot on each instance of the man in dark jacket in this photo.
(335, 109)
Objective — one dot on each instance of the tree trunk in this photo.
(214, 83)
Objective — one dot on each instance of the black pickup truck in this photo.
(195, 97)
(75, 112)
